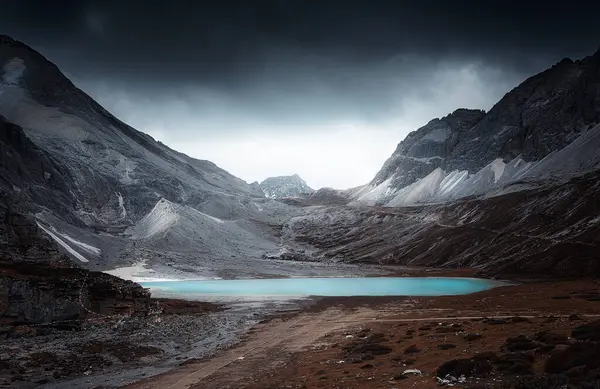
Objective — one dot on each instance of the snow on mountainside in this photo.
(285, 187)
(82, 171)
(470, 152)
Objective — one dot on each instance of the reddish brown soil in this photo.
(176, 307)
(379, 338)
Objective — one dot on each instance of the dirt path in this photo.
(269, 345)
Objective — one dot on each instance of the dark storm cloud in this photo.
(223, 41)
(221, 79)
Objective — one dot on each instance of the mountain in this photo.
(470, 152)
(511, 192)
(110, 195)
(551, 232)
(285, 187)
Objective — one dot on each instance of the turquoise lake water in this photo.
(367, 286)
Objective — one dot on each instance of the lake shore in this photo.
(254, 344)
(368, 342)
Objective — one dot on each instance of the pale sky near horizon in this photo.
(340, 152)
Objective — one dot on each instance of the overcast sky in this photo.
(325, 89)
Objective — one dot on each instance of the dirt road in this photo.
(272, 342)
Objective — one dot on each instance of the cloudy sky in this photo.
(325, 89)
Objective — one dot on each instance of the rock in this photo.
(552, 337)
(541, 381)
(479, 365)
(445, 330)
(412, 349)
(590, 332)
(285, 187)
(365, 348)
(585, 355)
(409, 372)
(400, 376)
(446, 346)
(515, 363)
(451, 380)
(472, 336)
(520, 343)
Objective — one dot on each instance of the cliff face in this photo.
(427, 148)
(38, 284)
(64, 297)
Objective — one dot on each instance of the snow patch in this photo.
(453, 181)
(122, 205)
(497, 167)
(162, 217)
(63, 244)
(370, 195)
(423, 190)
(84, 246)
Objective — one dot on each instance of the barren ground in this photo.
(358, 342)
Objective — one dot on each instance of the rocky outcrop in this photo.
(39, 285)
(541, 115)
(427, 148)
(64, 297)
(285, 187)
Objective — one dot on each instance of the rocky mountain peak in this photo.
(285, 186)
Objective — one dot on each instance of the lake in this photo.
(336, 286)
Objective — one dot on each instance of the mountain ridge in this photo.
(542, 115)
(101, 177)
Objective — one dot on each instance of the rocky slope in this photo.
(94, 183)
(547, 232)
(512, 192)
(285, 187)
(38, 284)
(470, 152)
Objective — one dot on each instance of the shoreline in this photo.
(194, 333)
(299, 340)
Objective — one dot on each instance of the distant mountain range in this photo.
(285, 187)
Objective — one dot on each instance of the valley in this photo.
(91, 207)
